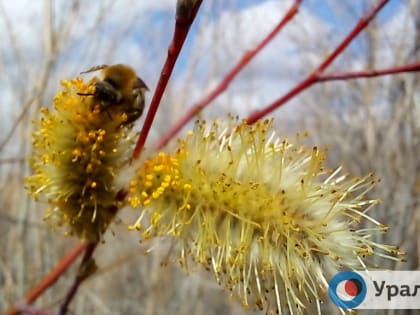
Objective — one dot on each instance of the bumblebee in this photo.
(120, 86)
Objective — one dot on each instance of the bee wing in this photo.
(139, 84)
(95, 68)
(139, 88)
(137, 107)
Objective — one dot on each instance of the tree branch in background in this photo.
(185, 15)
(88, 265)
(412, 67)
(50, 279)
(313, 77)
(87, 268)
(224, 84)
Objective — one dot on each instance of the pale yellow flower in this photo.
(261, 213)
(77, 150)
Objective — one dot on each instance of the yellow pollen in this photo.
(76, 153)
(158, 168)
(70, 142)
(89, 168)
(156, 218)
(148, 184)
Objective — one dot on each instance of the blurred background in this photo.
(370, 125)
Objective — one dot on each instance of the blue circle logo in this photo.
(347, 289)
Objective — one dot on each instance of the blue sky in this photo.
(324, 10)
(320, 9)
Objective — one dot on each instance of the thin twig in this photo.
(183, 21)
(412, 67)
(87, 266)
(81, 276)
(224, 84)
(313, 77)
(51, 278)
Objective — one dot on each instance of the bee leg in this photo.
(95, 68)
(109, 114)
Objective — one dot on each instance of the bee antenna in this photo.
(86, 94)
(94, 68)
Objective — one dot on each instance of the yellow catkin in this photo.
(263, 214)
(77, 150)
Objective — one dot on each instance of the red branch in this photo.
(51, 278)
(412, 67)
(314, 76)
(81, 276)
(223, 85)
(183, 23)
